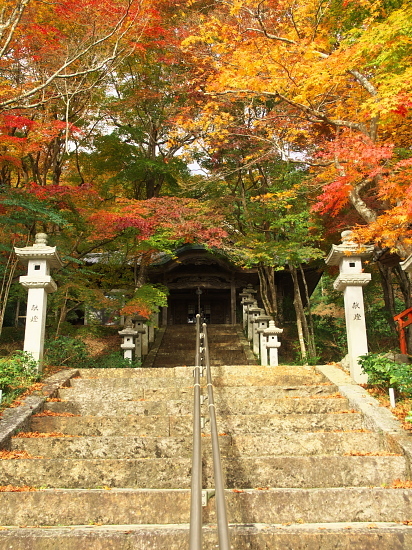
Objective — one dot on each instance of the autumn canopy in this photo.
(263, 128)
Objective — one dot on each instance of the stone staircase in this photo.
(110, 461)
(178, 343)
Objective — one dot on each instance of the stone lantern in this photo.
(128, 334)
(255, 333)
(39, 258)
(263, 323)
(253, 311)
(351, 280)
(142, 339)
(270, 346)
(247, 299)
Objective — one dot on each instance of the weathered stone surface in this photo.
(305, 444)
(242, 472)
(103, 506)
(244, 537)
(114, 446)
(99, 407)
(154, 506)
(269, 423)
(302, 444)
(130, 389)
(103, 426)
(151, 473)
(304, 405)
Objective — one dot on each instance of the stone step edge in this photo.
(376, 418)
(300, 528)
(14, 420)
(291, 491)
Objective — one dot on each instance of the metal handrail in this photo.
(195, 536)
(222, 523)
(195, 532)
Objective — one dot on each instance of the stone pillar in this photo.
(142, 341)
(128, 334)
(271, 345)
(263, 323)
(232, 302)
(255, 334)
(253, 312)
(351, 280)
(40, 258)
(247, 299)
(154, 323)
(247, 303)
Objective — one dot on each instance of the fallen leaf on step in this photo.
(401, 484)
(52, 413)
(14, 455)
(13, 489)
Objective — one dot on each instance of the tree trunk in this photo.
(268, 290)
(302, 324)
(8, 276)
(388, 293)
(311, 328)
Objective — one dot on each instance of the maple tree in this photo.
(334, 81)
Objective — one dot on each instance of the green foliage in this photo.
(17, 373)
(330, 337)
(66, 351)
(24, 210)
(146, 300)
(72, 352)
(385, 372)
(114, 360)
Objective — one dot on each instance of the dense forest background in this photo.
(261, 128)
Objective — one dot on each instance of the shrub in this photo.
(385, 372)
(114, 360)
(66, 351)
(17, 373)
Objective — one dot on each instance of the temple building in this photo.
(199, 279)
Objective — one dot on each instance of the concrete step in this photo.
(103, 407)
(239, 472)
(109, 426)
(182, 425)
(100, 405)
(302, 405)
(277, 374)
(144, 506)
(132, 389)
(345, 536)
(304, 444)
(220, 379)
